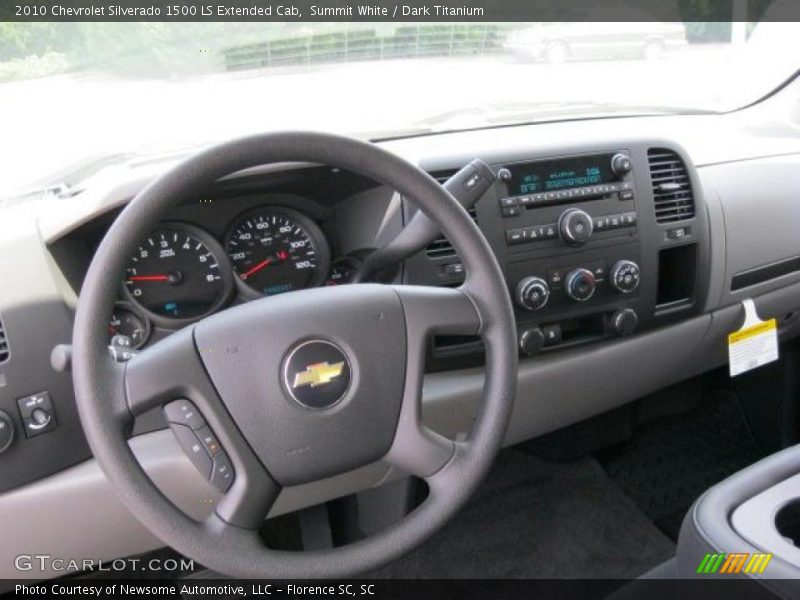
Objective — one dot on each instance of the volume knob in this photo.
(532, 293)
(575, 226)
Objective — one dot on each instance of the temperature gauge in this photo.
(128, 329)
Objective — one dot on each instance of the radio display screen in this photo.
(560, 174)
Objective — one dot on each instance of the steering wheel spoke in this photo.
(166, 371)
(170, 374)
(416, 448)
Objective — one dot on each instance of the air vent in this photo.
(4, 351)
(441, 246)
(672, 189)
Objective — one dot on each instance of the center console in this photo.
(595, 244)
(749, 524)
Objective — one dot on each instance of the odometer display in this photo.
(274, 251)
(177, 273)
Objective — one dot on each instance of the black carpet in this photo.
(670, 461)
(534, 519)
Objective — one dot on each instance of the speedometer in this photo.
(179, 272)
(277, 250)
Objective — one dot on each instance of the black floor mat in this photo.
(670, 461)
(534, 519)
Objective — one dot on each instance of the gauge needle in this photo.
(149, 278)
(256, 268)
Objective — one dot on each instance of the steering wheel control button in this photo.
(183, 412)
(317, 374)
(194, 448)
(580, 285)
(210, 442)
(222, 473)
(6, 431)
(37, 414)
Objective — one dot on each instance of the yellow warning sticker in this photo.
(754, 345)
(749, 332)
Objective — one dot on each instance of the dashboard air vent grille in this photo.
(4, 351)
(441, 246)
(672, 189)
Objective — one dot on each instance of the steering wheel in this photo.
(253, 372)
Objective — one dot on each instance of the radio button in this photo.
(626, 195)
(621, 164)
(505, 202)
(515, 236)
(511, 211)
(629, 219)
(526, 200)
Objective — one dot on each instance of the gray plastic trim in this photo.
(757, 233)
(76, 514)
(755, 520)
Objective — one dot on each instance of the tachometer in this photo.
(178, 272)
(277, 250)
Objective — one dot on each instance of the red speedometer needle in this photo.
(149, 278)
(256, 268)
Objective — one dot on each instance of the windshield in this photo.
(78, 92)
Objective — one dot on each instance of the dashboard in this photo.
(627, 246)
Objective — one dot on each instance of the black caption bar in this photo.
(408, 11)
(735, 588)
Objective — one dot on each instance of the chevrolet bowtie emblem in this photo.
(318, 374)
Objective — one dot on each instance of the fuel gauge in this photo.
(127, 328)
(343, 270)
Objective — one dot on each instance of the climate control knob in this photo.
(6, 431)
(624, 321)
(579, 284)
(575, 226)
(624, 276)
(532, 293)
(531, 340)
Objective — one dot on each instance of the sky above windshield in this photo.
(84, 94)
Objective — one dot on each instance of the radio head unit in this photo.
(561, 174)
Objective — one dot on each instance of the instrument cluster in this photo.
(181, 273)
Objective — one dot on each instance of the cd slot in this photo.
(555, 202)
